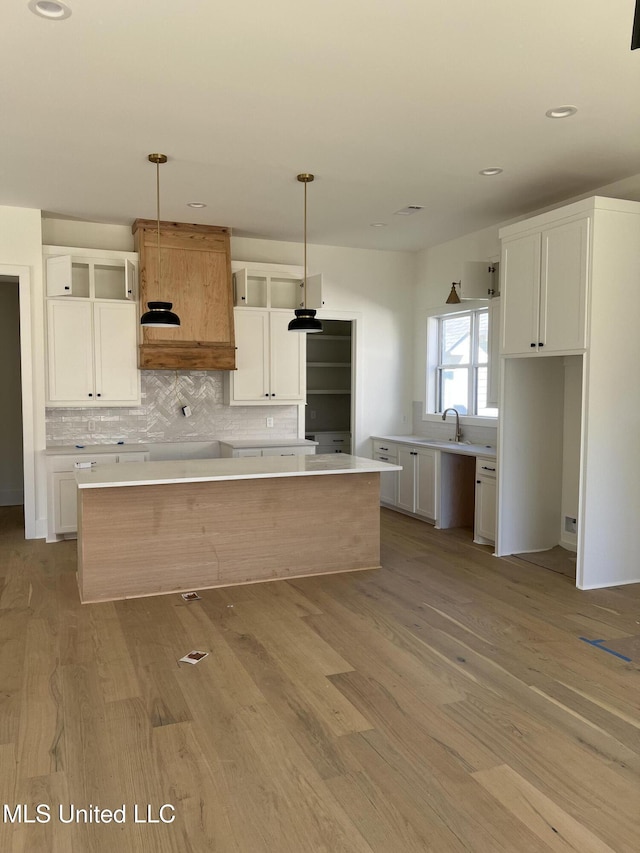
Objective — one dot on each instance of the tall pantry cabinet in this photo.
(569, 409)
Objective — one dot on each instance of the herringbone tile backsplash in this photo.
(160, 418)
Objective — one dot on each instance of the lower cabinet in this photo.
(417, 481)
(62, 489)
(229, 451)
(447, 489)
(386, 451)
(485, 501)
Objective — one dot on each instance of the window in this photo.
(462, 368)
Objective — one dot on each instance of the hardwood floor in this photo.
(443, 703)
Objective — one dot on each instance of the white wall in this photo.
(11, 483)
(379, 288)
(21, 247)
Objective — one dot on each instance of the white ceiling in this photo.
(388, 103)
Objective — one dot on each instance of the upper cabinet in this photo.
(277, 287)
(92, 328)
(544, 288)
(271, 360)
(91, 353)
(75, 272)
(195, 275)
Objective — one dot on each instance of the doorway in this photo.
(330, 387)
(11, 427)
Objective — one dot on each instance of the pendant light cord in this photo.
(304, 289)
(158, 219)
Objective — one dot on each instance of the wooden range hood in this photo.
(196, 278)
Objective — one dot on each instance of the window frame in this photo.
(434, 366)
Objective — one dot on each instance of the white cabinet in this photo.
(544, 289)
(567, 426)
(331, 442)
(493, 376)
(485, 501)
(276, 287)
(387, 451)
(92, 353)
(79, 274)
(62, 489)
(271, 360)
(229, 450)
(417, 481)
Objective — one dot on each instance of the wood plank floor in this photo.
(443, 703)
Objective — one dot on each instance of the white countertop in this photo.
(461, 448)
(251, 443)
(92, 449)
(209, 470)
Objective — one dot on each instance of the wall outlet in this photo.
(186, 411)
(91, 426)
(269, 422)
(312, 414)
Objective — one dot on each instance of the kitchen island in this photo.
(149, 528)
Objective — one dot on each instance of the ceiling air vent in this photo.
(409, 210)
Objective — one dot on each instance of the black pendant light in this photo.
(159, 313)
(305, 319)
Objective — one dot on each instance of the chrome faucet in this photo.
(458, 430)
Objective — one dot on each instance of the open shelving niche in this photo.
(329, 387)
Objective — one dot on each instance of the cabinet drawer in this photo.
(68, 463)
(388, 448)
(135, 456)
(292, 450)
(333, 448)
(486, 467)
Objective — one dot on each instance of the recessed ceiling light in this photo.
(196, 204)
(378, 225)
(561, 112)
(54, 10)
(492, 170)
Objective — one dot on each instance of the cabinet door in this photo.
(69, 352)
(288, 360)
(426, 483)
(388, 482)
(521, 295)
(485, 510)
(406, 480)
(65, 503)
(493, 376)
(115, 329)
(250, 382)
(563, 288)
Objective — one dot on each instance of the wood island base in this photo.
(145, 540)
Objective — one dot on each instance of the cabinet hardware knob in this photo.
(273, 395)
(66, 287)
(98, 395)
(484, 468)
(243, 298)
(532, 345)
(540, 343)
(266, 395)
(478, 482)
(91, 395)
